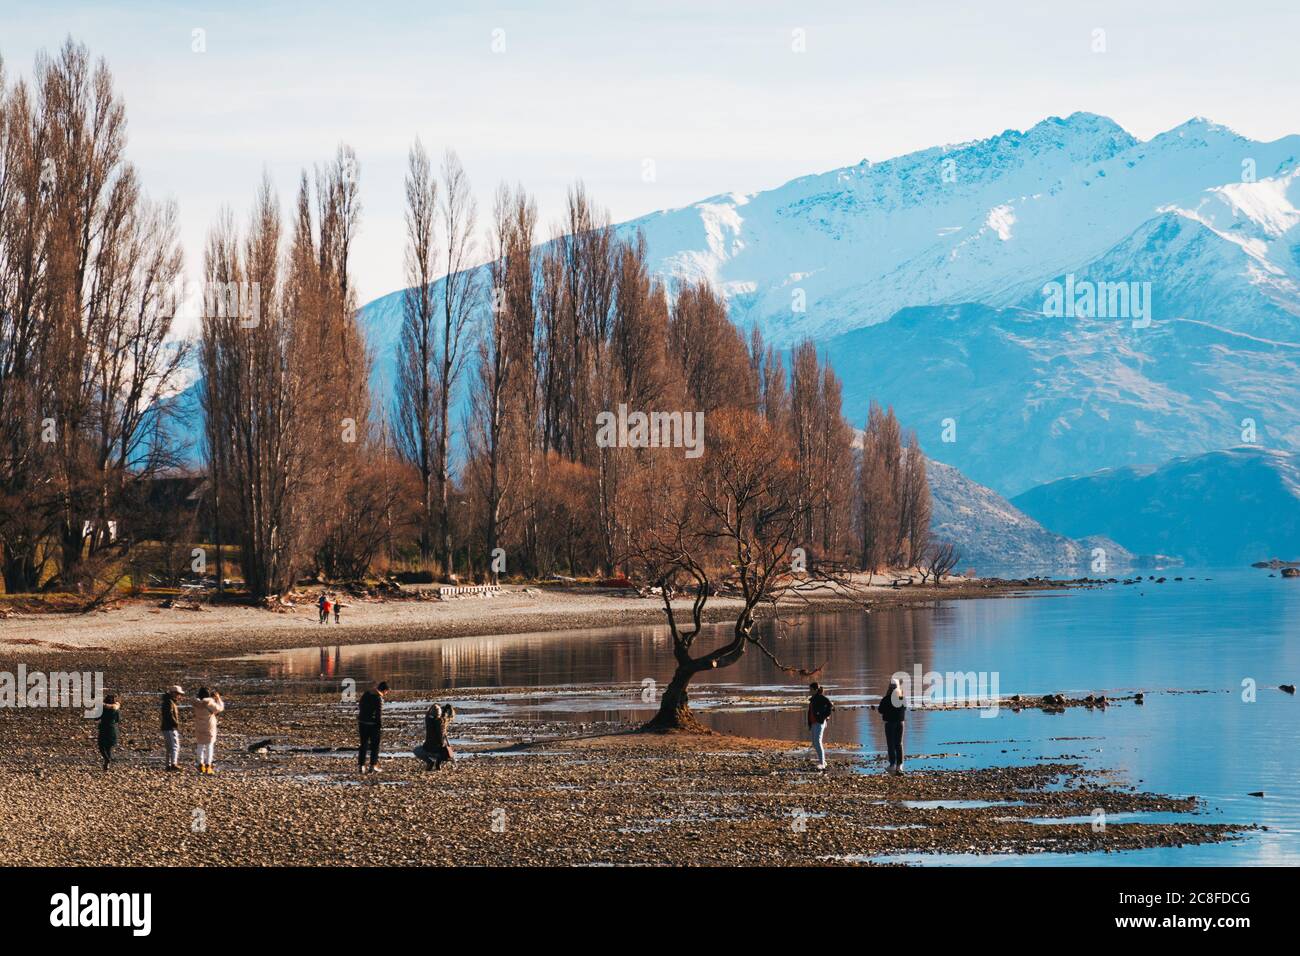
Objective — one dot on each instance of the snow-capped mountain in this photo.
(923, 278)
(990, 222)
(1235, 506)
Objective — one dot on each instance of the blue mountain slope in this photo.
(1035, 398)
(1232, 507)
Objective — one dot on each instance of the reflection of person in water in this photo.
(329, 666)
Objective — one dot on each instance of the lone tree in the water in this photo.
(729, 520)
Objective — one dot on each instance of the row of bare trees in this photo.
(580, 325)
(89, 273)
(512, 346)
(304, 474)
(894, 494)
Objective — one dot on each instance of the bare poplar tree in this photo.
(497, 432)
(89, 271)
(879, 492)
(26, 204)
(458, 216)
(914, 504)
(418, 399)
(261, 393)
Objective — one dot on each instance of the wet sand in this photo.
(142, 624)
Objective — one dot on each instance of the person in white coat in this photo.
(206, 709)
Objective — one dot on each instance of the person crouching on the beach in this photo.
(893, 711)
(108, 720)
(819, 715)
(445, 755)
(435, 739)
(206, 709)
(171, 728)
(370, 720)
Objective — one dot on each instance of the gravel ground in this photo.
(517, 796)
(619, 802)
(522, 793)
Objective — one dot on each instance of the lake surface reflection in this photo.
(1192, 646)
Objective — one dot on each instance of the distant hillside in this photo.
(1034, 399)
(994, 535)
(1226, 507)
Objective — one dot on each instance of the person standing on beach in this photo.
(171, 727)
(370, 719)
(108, 720)
(323, 606)
(893, 711)
(819, 715)
(338, 606)
(206, 709)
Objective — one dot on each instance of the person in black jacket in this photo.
(108, 721)
(370, 719)
(893, 711)
(819, 715)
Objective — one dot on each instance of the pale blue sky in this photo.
(712, 92)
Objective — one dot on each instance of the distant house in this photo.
(164, 505)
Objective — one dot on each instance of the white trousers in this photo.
(172, 746)
(818, 730)
(205, 753)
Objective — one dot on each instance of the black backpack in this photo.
(822, 712)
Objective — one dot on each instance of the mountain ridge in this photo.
(1232, 506)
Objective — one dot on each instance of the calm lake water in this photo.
(1188, 645)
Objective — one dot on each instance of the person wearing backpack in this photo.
(819, 714)
(893, 711)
